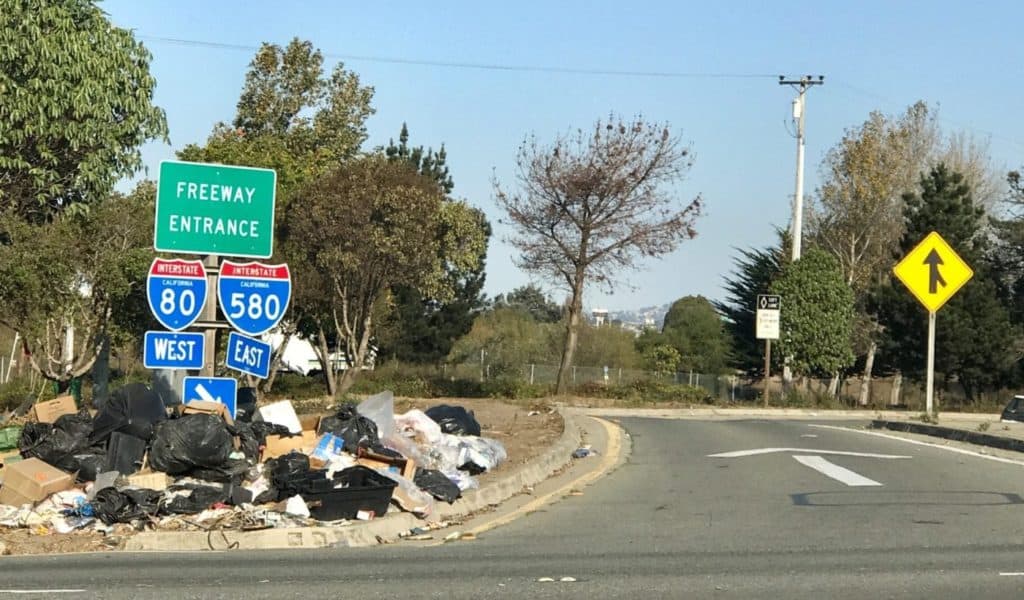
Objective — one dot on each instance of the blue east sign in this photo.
(248, 355)
(171, 350)
(253, 296)
(176, 290)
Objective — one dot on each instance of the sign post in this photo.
(933, 272)
(767, 328)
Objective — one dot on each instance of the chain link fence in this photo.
(893, 392)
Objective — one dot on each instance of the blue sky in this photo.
(964, 57)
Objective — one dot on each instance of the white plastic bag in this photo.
(380, 408)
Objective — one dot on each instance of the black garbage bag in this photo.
(455, 420)
(232, 471)
(133, 409)
(472, 468)
(437, 484)
(196, 440)
(353, 428)
(254, 435)
(61, 444)
(199, 498)
(124, 506)
(89, 466)
(287, 474)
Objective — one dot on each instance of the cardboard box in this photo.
(406, 467)
(310, 422)
(278, 445)
(47, 412)
(204, 407)
(280, 413)
(31, 480)
(8, 457)
(149, 481)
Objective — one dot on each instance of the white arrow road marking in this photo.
(840, 474)
(757, 451)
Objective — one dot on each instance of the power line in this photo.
(472, 65)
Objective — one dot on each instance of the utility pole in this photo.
(799, 105)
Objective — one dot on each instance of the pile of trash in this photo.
(195, 467)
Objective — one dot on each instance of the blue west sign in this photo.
(170, 350)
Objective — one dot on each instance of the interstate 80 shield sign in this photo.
(176, 290)
(253, 295)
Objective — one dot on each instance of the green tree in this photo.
(77, 102)
(753, 273)
(696, 330)
(975, 342)
(593, 204)
(605, 346)
(817, 315)
(857, 215)
(421, 329)
(531, 299)
(663, 359)
(386, 232)
(508, 339)
(82, 271)
(292, 117)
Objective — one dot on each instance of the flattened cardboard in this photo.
(31, 480)
(406, 467)
(149, 481)
(49, 411)
(205, 407)
(280, 445)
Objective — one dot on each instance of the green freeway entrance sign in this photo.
(215, 209)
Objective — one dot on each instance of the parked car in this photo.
(1014, 410)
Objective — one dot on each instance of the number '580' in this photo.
(256, 306)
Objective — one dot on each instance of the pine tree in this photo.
(975, 340)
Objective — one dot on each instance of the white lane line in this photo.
(840, 474)
(757, 451)
(1012, 574)
(42, 591)
(808, 435)
(1009, 461)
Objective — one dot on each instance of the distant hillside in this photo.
(649, 315)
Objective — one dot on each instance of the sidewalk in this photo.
(978, 429)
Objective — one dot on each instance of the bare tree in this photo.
(593, 203)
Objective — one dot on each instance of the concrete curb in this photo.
(950, 433)
(370, 533)
(792, 413)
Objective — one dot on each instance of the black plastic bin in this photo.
(363, 489)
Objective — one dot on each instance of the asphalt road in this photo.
(671, 523)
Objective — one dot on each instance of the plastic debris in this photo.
(296, 506)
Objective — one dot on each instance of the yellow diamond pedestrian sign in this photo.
(933, 271)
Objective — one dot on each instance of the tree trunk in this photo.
(571, 336)
(358, 359)
(865, 382)
(833, 386)
(323, 355)
(897, 384)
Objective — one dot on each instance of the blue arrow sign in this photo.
(176, 290)
(253, 295)
(169, 350)
(248, 355)
(212, 389)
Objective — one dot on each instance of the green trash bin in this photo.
(9, 437)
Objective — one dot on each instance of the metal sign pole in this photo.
(930, 378)
(212, 265)
(767, 369)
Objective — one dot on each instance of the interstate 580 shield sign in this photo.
(253, 295)
(176, 290)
